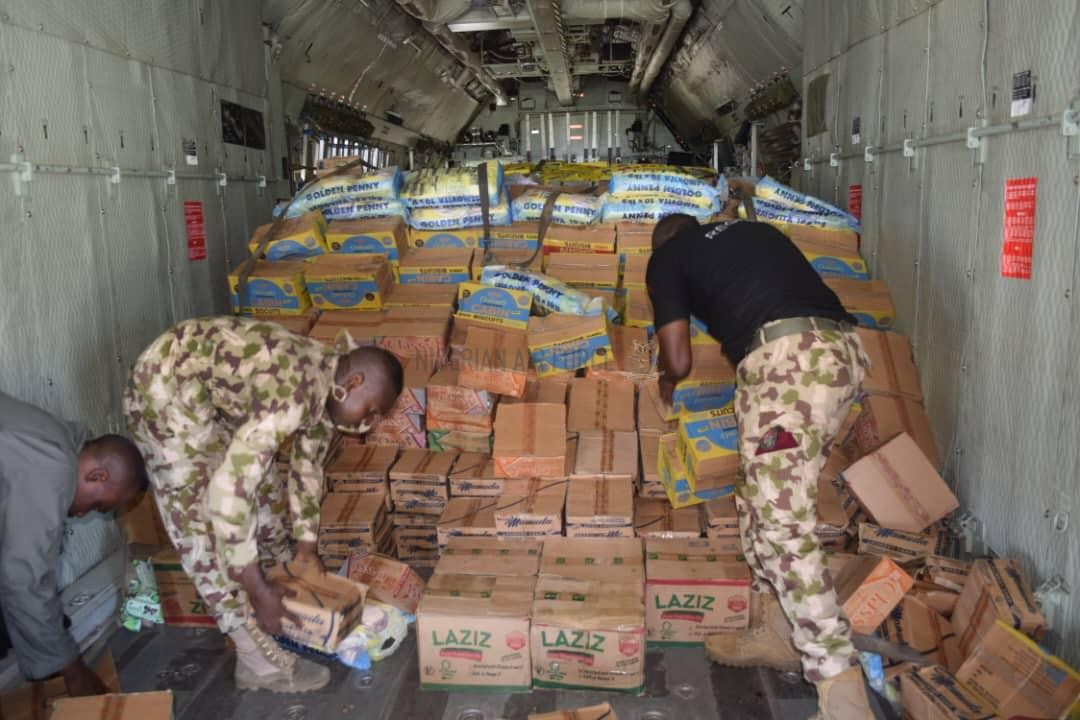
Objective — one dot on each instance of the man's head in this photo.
(669, 227)
(367, 384)
(111, 472)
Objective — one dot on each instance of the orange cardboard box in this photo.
(418, 334)
(389, 580)
(602, 711)
(530, 440)
(157, 705)
(869, 587)
(550, 389)
(495, 360)
(601, 405)
(451, 406)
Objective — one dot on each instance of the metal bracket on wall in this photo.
(868, 154)
(834, 160)
(222, 181)
(976, 143)
(170, 177)
(22, 175)
(260, 185)
(808, 165)
(909, 148)
(114, 175)
(1070, 128)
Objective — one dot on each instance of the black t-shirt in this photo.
(735, 278)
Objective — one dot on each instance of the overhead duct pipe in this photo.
(681, 11)
(547, 18)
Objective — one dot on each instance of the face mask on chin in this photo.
(341, 394)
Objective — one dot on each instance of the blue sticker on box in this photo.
(828, 266)
(343, 294)
(496, 303)
(367, 244)
(265, 294)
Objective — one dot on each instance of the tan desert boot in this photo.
(765, 644)
(262, 664)
(843, 697)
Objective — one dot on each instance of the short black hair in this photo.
(669, 227)
(368, 358)
(126, 463)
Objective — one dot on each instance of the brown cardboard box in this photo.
(637, 310)
(915, 625)
(892, 370)
(936, 597)
(868, 588)
(650, 414)
(531, 509)
(597, 238)
(1016, 677)
(416, 539)
(550, 389)
(616, 560)
(495, 360)
(629, 354)
(181, 604)
(328, 607)
(357, 468)
(353, 327)
(593, 712)
(34, 701)
(634, 267)
(387, 235)
(348, 281)
(490, 556)
(835, 562)
(884, 417)
(420, 339)
(693, 590)
(607, 454)
(473, 633)
(931, 693)
(389, 581)
(474, 475)
(947, 572)
(651, 485)
(156, 705)
(588, 634)
(296, 324)
(832, 521)
(419, 481)
(530, 440)
(868, 300)
(634, 238)
(450, 406)
(348, 520)
(655, 519)
(721, 517)
(899, 487)
(584, 270)
(901, 546)
(601, 405)
(559, 342)
(847, 240)
(996, 589)
(599, 507)
(426, 266)
(142, 524)
(424, 296)
(467, 517)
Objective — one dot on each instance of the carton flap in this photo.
(131, 706)
(607, 453)
(416, 463)
(600, 501)
(596, 404)
(530, 429)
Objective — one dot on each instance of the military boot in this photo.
(767, 643)
(262, 664)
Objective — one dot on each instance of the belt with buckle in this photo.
(792, 326)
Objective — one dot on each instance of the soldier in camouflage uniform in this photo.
(209, 404)
(799, 367)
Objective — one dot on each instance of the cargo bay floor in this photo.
(680, 684)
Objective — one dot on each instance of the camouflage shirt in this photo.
(253, 384)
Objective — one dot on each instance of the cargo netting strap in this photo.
(485, 210)
(747, 200)
(248, 265)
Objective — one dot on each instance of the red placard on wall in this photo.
(1018, 241)
(196, 230)
(854, 201)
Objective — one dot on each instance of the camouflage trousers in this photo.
(793, 394)
(183, 446)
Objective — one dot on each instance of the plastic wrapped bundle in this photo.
(623, 208)
(570, 209)
(552, 172)
(350, 185)
(549, 294)
(447, 187)
(458, 217)
(651, 181)
(781, 195)
(354, 209)
(773, 212)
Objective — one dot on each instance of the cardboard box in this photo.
(635, 307)
(445, 239)
(634, 238)
(1013, 675)
(847, 240)
(601, 405)
(350, 521)
(273, 288)
(454, 407)
(892, 369)
(377, 236)
(649, 447)
(561, 342)
(413, 397)
(530, 440)
(296, 324)
(389, 581)
(709, 441)
(617, 560)
(181, 604)
(348, 282)
(467, 517)
(34, 701)
(721, 517)
(402, 430)
(588, 634)
(710, 385)
(915, 625)
(602, 711)
(296, 238)
(436, 265)
(832, 520)
(495, 361)
(868, 300)
(699, 333)
(607, 454)
(901, 546)
(650, 412)
(487, 556)
(461, 440)
(936, 597)
(996, 589)
(884, 417)
(141, 522)
(519, 236)
(655, 519)
(931, 693)
(868, 588)
(532, 511)
(347, 329)
(421, 475)
(584, 270)
(474, 475)
(834, 260)
(899, 487)
(947, 572)
(599, 507)
(494, 306)
(419, 335)
(543, 390)
(692, 591)
(328, 607)
(156, 705)
(473, 633)
(633, 271)
(420, 296)
(597, 238)
(682, 490)
(416, 539)
(630, 355)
